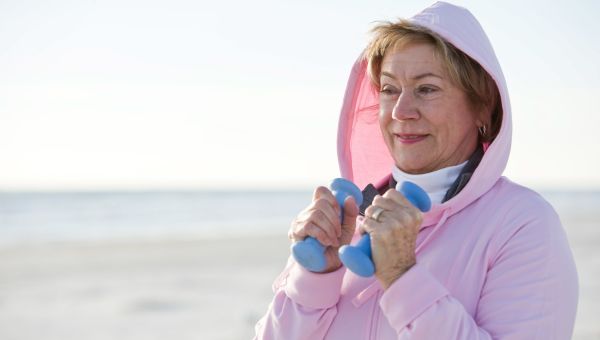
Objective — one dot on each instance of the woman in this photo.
(490, 260)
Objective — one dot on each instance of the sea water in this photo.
(95, 216)
(73, 216)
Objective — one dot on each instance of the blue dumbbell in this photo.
(358, 258)
(309, 252)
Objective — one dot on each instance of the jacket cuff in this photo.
(314, 290)
(411, 295)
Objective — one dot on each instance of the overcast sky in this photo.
(246, 94)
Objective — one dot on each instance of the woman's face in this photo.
(426, 121)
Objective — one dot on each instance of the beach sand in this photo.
(176, 289)
(170, 289)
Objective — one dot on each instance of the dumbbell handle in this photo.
(358, 258)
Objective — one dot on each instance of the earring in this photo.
(482, 130)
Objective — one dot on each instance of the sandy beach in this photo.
(175, 289)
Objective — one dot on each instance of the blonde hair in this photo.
(464, 72)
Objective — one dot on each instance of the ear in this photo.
(479, 122)
(484, 117)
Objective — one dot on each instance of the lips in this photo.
(409, 138)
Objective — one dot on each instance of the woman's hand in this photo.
(393, 235)
(321, 220)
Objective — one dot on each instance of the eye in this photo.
(426, 90)
(387, 90)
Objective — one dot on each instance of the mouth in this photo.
(406, 138)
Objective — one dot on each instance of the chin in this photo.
(411, 167)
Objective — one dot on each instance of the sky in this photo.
(138, 95)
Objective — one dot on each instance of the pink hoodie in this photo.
(493, 262)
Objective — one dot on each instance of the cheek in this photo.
(453, 125)
(458, 131)
(384, 111)
(385, 118)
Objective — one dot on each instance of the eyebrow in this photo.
(420, 76)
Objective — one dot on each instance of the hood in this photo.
(362, 154)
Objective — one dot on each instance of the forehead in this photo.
(412, 58)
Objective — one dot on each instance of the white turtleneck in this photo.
(435, 183)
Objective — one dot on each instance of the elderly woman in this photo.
(490, 260)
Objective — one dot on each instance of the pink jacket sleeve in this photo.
(530, 292)
(304, 304)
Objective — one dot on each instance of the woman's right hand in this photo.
(321, 220)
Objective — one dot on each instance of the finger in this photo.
(385, 203)
(299, 231)
(361, 228)
(369, 225)
(375, 213)
(324, 193)
(317, 232)
(392, 211)
(405, 209)
(333, 218)
(320, 219)
(397, 197)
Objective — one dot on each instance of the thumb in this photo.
(350, 213)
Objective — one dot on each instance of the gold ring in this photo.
(377, 213)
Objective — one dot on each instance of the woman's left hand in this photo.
(393, 235)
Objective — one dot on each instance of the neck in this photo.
(435, 183)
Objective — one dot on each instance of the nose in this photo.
(405, 108)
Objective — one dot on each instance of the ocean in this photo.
(97, 216)
(76, 216)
